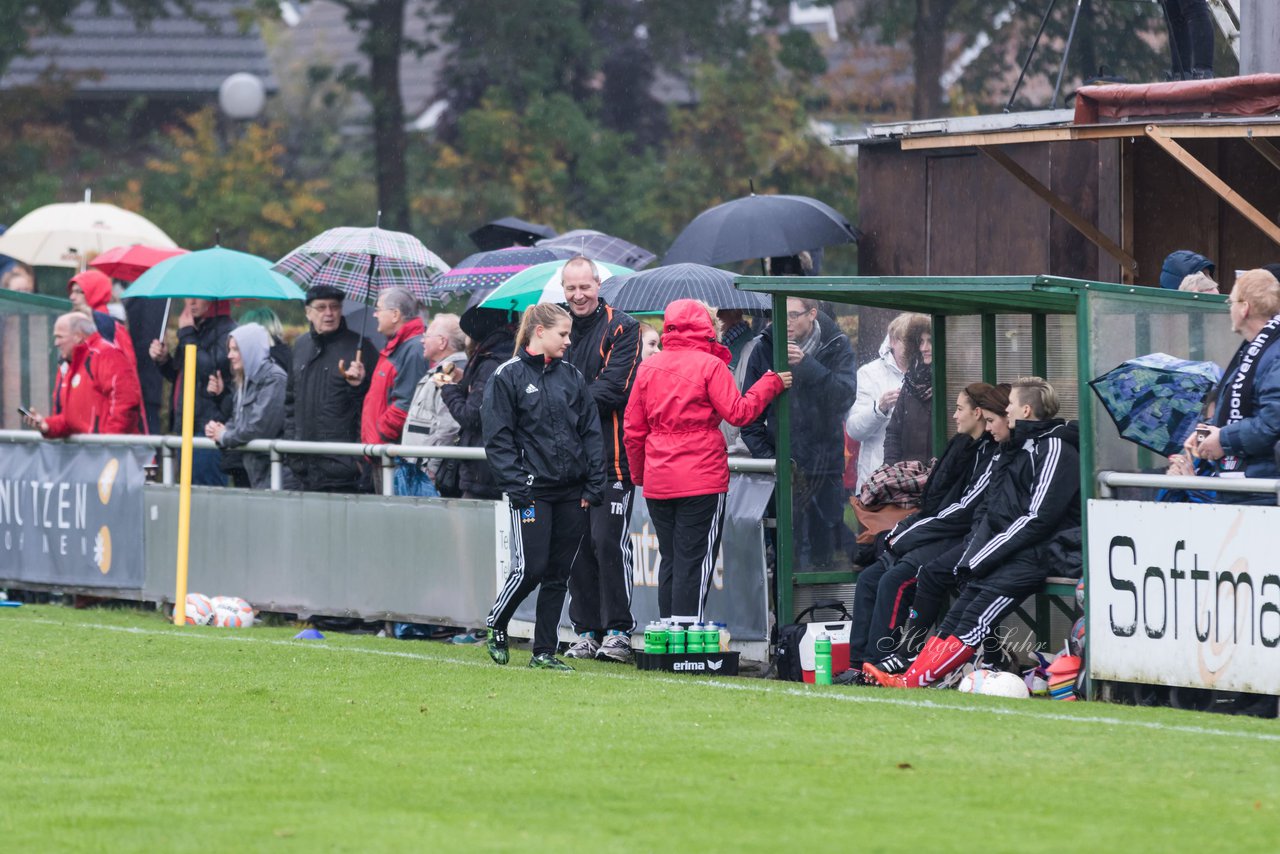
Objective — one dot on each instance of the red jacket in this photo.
(395, 379)
(672, 426)
(98, 393)
(96, 286)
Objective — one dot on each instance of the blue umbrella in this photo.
(213, 274)
(1156, 400)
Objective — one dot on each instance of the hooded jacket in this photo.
(96, 287)
(953, 495)
(98, 393)
(605, 348)
(209, 335)
(865, 422)
(395, 376)
(321, 406)
(823, 388)
(258, 403)
(681, 395)
(1180, 264)
(1034, 492)
(464, 400)
(542, 431)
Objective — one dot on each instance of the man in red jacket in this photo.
(400, 366)
(99, 390)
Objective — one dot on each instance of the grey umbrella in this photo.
(654, 290)
(599, 246)
(760, 227)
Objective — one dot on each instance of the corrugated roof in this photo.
(172, 56)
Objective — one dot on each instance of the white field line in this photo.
(754, 686)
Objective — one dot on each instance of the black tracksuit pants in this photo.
(882, 599)
(600, 579)
(980, 607)
(545, 538)
(688, 531)
(935, 582)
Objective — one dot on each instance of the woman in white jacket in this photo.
(879, 383)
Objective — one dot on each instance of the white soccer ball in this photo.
(994, 683)
(199, 609)
(232, 612)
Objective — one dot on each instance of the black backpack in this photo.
(788, 657)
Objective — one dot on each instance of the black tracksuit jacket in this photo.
(542, 431)
(605, 348)
(953, 495)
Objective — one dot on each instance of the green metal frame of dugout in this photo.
(1076, 329)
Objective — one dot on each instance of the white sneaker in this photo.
(616, 648)
(584, 647)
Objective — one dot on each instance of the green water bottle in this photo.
(675, 639)
(710, 637)
(694, 638)
(655, 638)
(822, 660)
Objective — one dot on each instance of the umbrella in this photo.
(361, 262)
(127, 263)
(539, 283)
(490, 269)
(62, 235)
(599, 246)
(654, 290)
(1156, 400)
(509, 231)
(760, 227)
(213, 274)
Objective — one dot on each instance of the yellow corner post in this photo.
(184, 487)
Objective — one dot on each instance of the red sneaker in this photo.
(884, 680)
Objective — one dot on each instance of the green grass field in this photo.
(123, 733)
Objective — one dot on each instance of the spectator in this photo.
(256, 408)
(90, 294)
(879, 384)
(821, 362)
(1246, 422)
(909, 434)
(395, 376)
(1199, 283)
(735, 333)
(606, 350)
(205, 324)
(429, 421)
(19, 278)
(321, 403)
(650, 341)
(674, 441)
(1190, 39)
(464, 397)
(1180, 264)
(99, 390)
(281, 352)
(548, 458)
(952, 495)
(144, 317)
(1034, 493)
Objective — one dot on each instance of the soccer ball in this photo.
(232, 612)
(199, 610)
(994, 683)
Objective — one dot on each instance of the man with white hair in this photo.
(395, 376)
(98, 392)
(429, 421)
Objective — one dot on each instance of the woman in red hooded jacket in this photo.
(677, 452)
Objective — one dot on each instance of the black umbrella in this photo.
(509, 231)
(479, 322)
(760, 227)
(654, 290)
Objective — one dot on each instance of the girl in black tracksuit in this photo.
(542, 436)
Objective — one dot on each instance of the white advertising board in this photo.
(1185, 594)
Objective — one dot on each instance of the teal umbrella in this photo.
(539, 283)
(213, 274)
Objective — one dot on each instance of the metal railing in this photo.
(1108, 481)
(387, 455)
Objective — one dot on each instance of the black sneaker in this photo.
(893, 663)
(496, 643)
(852, 676)
(547, 661)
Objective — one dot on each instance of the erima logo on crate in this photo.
(530, 388)
(682, 666)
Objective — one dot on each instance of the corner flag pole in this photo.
(184, 488)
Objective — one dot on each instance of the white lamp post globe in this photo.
(242, 95)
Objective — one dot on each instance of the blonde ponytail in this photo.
(546, 314)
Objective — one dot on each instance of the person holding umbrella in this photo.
(542, 435)
(678, 454)
(606, 349)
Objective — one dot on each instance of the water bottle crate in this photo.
(697, 663)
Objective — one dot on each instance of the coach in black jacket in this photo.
(605, 347)
(320, 403)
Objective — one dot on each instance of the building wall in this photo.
(1259, 37)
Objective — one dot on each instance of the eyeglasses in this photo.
(796, 315)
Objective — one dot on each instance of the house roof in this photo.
(178, 56)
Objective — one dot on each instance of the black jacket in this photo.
(542, 431)
(1034, 493)
(909, 433)
(605, 348)
(209, 335)
(823, 388)
(319, 405)
(952, 495)
(463, 399)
